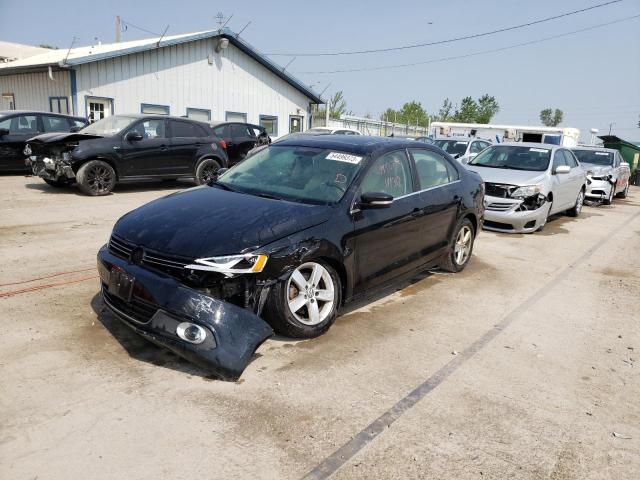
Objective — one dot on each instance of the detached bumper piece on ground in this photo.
(215, 335)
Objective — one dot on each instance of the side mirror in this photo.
(563, 169)
(375, 200)
(4, 131)
(133, 136)
(622, 164)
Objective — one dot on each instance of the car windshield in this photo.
(452, 147)
(302, 174)
(514, 158)
(594, 157)
(109, 125)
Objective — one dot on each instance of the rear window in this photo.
(452, 147)
(594, 157)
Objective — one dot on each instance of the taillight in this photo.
(223, 144)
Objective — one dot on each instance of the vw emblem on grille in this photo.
(136, 256)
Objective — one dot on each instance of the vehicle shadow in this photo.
(121, 188)
(140, 349)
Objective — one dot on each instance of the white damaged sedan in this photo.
(607, 173)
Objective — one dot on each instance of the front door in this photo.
(20, 129)
(98, 108)
(149, 156)
(295, 123)
(387, 240)
(562, 184)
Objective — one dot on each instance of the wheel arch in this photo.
(340, 270)
(110, 162)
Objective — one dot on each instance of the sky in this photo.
(593, 76)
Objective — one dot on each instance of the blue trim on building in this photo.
(226, 116)
(74, 91)
(202, 110)
(154, 105)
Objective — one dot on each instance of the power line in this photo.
(125, 24)
(483, 52)
(440, 42)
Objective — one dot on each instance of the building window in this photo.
(270, 124)
(8, 102)
(200, 114)
(295, 123)
(236, 117)
(59, 105)
(155, 109)
(98, 108)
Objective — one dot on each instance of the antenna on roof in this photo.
(325, 89)
(160, 39)
(242, 30)
(290, 62)
(221, 20)
(69, 51)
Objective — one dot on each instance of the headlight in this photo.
(231, 264)
(526, 191)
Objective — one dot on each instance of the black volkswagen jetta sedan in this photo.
(283, 239)
(127, 147)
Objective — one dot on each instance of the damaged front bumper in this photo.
(598, 188)
(506, 215)
(50, 169)
(158, 307)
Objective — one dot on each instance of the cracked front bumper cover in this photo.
(49, 169)
(233, 333)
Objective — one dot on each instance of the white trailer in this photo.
(567, 137)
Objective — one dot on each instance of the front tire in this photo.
(96, 178)
(577, 207)
(609, 199)
(625, 192)
(306, 304)
(460, 249)
(206, 170)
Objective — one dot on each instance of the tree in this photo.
(338, 105)
(444, 114)
(550, 118)
(487, 108)
(411, 113)
(468, 111)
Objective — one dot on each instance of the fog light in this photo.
(191, 332)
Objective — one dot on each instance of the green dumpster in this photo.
(629, 151)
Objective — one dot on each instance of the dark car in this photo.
(127, 147)
(240, 138)
(288, 235)
(17, 126)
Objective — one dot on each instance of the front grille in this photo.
(137, 309)
(160, 261)
(499, 190)
(499, 207)
(499, 225)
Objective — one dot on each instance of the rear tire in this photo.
(577, 207)
(461, 247)
(96, 178)
(306, 304)
(206, 170)
(56, 183)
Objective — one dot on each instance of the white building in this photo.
(212, 75)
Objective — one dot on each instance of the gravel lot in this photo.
(523, 366)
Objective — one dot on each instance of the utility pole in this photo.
(118, 28)
(611, 125)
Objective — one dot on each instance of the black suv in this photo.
(127, 147)
(17, 126)
(240, 138)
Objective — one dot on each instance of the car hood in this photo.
(508, 177)
(64, 137)
(208, 221)
(598, 170)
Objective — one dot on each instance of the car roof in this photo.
(547, 146)
(6, 113)
(359, 144)
(595, 149)
(459, 139)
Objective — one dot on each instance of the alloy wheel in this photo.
(208, 173)
(462, 248)
(311, 293)
(579, 202)
(100, 179)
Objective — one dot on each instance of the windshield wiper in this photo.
(267, 195)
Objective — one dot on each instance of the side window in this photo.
(558, 159)
(78, 123)
(150, 129)
(219, 131)
(55, 124)
(476, 147)
(21, 124)
(570, 159)
(484, 145)
(184, 129)
(239, 130)
(433, 170)
(389, 174)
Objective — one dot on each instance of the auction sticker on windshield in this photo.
(541, 150)
(604, 154)
(344, 157)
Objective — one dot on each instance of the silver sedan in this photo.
(607, 173)
(525, 183)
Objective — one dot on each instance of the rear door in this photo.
(151, 155)
(21, 128)
(440, 197)
(387, 241)
(186, 138)
(243, 140)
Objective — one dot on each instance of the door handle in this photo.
(163, 147)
